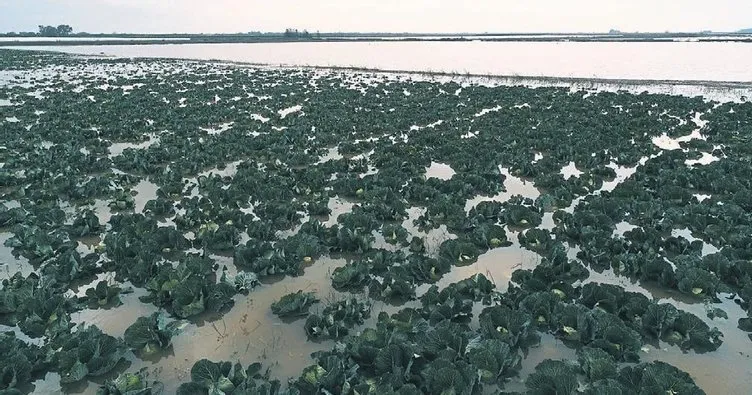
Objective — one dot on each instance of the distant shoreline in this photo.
(497, 77)
(125, 39)
(710, 89)
(521, 79)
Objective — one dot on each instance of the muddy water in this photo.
(115, 320)
(513, 185)
(731, 360)
(247, 333)
(338, 206)
(549, 348)
(102, 209)
(433, 238)
(707, 248)
(497, 264)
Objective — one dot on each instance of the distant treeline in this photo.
(44, 31)
(295, 35)
(67, 31)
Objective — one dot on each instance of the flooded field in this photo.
(672, 61)
(207, 192)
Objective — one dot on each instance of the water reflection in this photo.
(702, 61)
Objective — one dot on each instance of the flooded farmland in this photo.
(488, 235)
(635, 61)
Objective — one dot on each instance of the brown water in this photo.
(513, 185)
(247, 333)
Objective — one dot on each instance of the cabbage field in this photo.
(203, 228)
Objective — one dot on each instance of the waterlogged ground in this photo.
(674, 61)
(263, 152)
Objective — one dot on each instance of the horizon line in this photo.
(508, 33)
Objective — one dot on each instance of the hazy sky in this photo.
(140, 16)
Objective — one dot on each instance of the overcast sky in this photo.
(227, 16)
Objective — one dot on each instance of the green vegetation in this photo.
(198, 186)
(294, 304)
(55, 31)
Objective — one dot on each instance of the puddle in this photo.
(9, 264)
(102, 209)
(440, 170)
(259, 117)
(706, 159)
(570, 170)
(230, 169)
(707, 248)
(220, 129)
(549, 348)
(497, 265)
(700, 197)
(331, 154)
(486, 111)
(429, 126)
(338, 206)
(469, 135)
(147, 190)
(623, 227)
(547, 221)
(513, 185)
(622, 174)
(290, 110)
(730, 360)
(86, 244)
(704, 368)
(249, 332)
(114, 321)
(666, 143)
(116, 149)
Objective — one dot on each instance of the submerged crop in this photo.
(431, 244)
